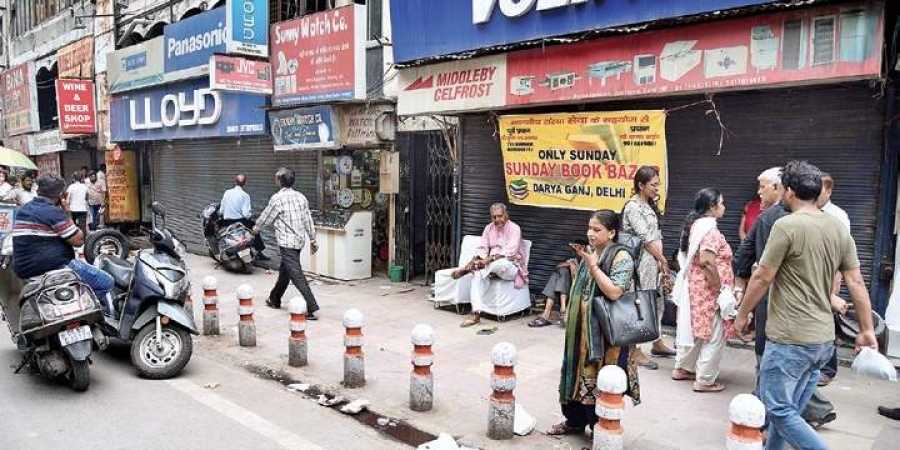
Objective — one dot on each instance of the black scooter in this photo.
(231, 246)
(147, 307)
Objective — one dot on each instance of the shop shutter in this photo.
(837, 127)
(72, 160)
(188, 175)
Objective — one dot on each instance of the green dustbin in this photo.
(396, 273)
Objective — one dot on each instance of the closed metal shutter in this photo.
(188, 175)
(837, 127)
(72, 160)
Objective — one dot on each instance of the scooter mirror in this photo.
(158, 208)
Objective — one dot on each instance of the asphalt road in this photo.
(210, 406)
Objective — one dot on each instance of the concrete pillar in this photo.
(210, 307)
(747, 415)
(246, 326)
(421, 381)
(354, 360)
(297, 341)
(502, 409)
(608, 433)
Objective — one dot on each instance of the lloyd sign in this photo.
(75, 105)
(231, 73)
(185, 110)
(247, 22)
(459, 85)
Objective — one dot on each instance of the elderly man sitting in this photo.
(501, 256)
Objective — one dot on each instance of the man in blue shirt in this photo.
(235, 207)
(44, 237)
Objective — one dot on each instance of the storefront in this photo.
(739, 95)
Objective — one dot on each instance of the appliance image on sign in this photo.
(677, 59)
(725, 62)
(562, 80)
(644, 69)
(608, 69)
(763, 48)
(521, 85)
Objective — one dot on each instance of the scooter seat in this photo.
(121, 270)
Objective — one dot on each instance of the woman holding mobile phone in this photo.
(586, 349)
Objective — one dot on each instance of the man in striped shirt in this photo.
(288, 211)
(44, 237)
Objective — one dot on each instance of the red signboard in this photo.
(75, 100)
(841, 41)
(19, 99)
(232, 73)
(320, 57)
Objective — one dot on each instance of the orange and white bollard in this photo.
(210, 307)
(246, 325)
(502, 407)
(421, 381)
(354, 360)
(608, 432)
(297, 356)
(747, 415)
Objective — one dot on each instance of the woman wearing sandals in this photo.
(586, 350)
(706, 280)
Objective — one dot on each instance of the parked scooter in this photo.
(53, 319)
(231, 246)
(148, 303)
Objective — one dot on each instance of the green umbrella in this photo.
(12, 158)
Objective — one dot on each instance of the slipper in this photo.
(715, 387)
(561, 429)
(539, 322)
(469, 322)
(683, 375)
(667, 353)
(649, 365)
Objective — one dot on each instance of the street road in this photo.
(122, 411)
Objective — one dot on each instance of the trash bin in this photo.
(395, 273)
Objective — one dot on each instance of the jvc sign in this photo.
(445, 27)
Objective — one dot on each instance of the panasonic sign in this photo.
(482, 10)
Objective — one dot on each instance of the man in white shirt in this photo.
(23, 194)
(77, 201)
(235, 207)
(824, 202)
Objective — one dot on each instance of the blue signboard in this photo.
(304, 128)
(427, 28)
(247, 22)
(185, 110)
(190, 42)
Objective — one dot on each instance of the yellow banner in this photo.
(122, 186)
(581, 160)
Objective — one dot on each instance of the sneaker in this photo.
(272, 304)
(311, 316)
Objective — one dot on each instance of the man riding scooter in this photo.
(235, 208)
(44, 238)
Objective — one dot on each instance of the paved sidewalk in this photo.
(670, 417)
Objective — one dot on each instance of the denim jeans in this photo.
(99, 281)
(787, 379)
(95, 217)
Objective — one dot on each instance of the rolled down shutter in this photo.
(188, 175)
(836, 127)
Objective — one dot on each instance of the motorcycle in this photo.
(147, 309)
(231, 246)
(53, 319)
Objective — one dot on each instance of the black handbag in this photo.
(632, 318)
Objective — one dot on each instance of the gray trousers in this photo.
(290, 271)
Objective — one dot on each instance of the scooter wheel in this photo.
(159, 359)
(80, 377)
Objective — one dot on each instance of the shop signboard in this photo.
(359, 125)
(439, 27)
(581, 160)
(311, 128)
(76, 60)
(7, 219)
(233, 73)
(185, 110)
(50, 141)
(190, 42)
(247, 22)
(18, 143)
(75, 107)
(48, 164)
(136, 66)
(20, 112)
(122, 186)
(814, 45)
(320, 57)
(454, 86)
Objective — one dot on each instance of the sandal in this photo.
(683, 375)
(470, 322)
(539, 322)
(561, 429)
(715, 387)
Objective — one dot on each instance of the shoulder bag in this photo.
(632, 318)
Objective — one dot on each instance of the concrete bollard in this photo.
(421, 381)
(608, 433)
(354, 360)
(747, 415)
(297, 342)
(210, 307)
(502, 409)
(246, 326)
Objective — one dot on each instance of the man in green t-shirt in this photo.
(804, 251)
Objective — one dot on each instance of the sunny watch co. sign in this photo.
(75, 102)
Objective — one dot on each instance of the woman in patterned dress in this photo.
(708, 259)
(585, 349)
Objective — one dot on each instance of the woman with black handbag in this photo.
(606, 270)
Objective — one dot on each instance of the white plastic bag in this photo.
(727, 303)
(873, 364)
